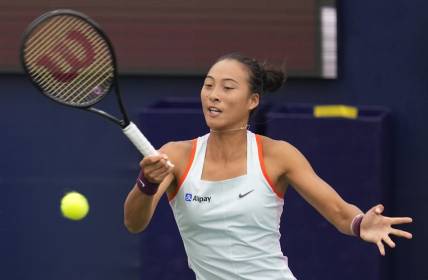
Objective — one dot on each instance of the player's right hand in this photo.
(155, 168)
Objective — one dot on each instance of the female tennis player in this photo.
(227, 187)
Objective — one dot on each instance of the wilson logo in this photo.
(62, 57)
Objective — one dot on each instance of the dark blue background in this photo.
(48, 149)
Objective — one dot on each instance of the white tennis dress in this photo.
(230, 228)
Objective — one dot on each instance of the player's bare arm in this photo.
(139, 208)
(285, 164)
(284, 161)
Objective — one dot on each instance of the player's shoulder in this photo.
(177, 150)
(177, 145)
(276, 148)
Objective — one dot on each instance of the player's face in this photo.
(226, 96)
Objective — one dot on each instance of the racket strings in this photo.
(85, 82)
(48, 41)
(49, 31)
(63, 91)
(61, 86)
(100, 80)
(46, 82)
(103, 61)
(69, 43)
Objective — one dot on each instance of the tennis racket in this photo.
(71, 60)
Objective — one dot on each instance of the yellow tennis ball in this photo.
(74, 206)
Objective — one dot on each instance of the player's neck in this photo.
(229, 130)
(227, 144)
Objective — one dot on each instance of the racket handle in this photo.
(139, 140)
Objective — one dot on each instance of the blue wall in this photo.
(47, 150)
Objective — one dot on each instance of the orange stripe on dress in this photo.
(263, 167)
(186, 171)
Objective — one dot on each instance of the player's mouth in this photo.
(214, 111)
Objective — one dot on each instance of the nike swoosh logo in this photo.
(245, 194)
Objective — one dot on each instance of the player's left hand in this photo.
(376, 228)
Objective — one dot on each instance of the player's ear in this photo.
(253, 101)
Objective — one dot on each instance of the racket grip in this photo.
(139, 140)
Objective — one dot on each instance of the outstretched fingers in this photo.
(401, 220)
(401, 233)
(389, 241)
(381, 247)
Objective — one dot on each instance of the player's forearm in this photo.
(344, 216)
(327, 202)
(138, 210)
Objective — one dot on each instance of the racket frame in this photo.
(114, 84)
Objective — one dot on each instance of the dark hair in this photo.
(263, 77)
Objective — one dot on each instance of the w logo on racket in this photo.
(70, 59)
(66, 58)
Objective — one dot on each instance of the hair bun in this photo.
(273, 79)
